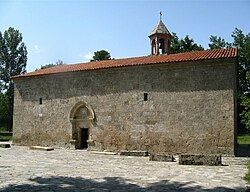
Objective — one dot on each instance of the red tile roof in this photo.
(146, 60)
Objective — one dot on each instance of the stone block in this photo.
(103, 153)
(4, 145)
(161, 157)
(42, 148)
(200, 160)
(134, 153)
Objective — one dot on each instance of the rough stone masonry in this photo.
(173, 108)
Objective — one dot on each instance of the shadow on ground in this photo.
(243, 150)
(62, 184)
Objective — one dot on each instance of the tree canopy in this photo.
(242, 42)
(218, 42)
(183, 45)
(59, 62)
(101, 55)
(13, 56)
(3, 109)
(13, 60)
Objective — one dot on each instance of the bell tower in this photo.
(160, 39)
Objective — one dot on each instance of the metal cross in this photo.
(160, 15)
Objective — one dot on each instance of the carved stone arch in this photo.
(82, 118)
(91, 113)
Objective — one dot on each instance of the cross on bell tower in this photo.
(160, 39)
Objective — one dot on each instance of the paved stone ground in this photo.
(22, 169)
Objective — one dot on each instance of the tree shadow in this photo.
(73, 184)
(243, 150)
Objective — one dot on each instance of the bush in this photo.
(247, 177)
(3, 110)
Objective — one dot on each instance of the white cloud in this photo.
(87, 56)
(36, 49)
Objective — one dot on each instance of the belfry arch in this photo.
(82, 118)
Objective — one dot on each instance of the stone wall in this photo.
(190, 107)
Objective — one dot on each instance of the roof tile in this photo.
(153, 59)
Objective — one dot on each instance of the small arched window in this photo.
(153, 47)
(162, 46)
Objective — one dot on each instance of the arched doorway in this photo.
(81, 117)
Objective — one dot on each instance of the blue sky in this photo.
(72, 30)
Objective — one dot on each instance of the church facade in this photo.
(163, 103)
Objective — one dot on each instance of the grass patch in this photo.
(247, 177)
(243, 139)
(5, 138)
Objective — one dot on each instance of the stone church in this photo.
(163, 103)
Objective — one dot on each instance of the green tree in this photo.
(13, 59)
(175, 44)
(47, 66)
(1, 84)
(183, 45)
(188, 44)
(242, 42)
(101, 55)
(59, 62)
(245, 114)
(3, 109)
(217, 42)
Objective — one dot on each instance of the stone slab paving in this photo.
(22, 169)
